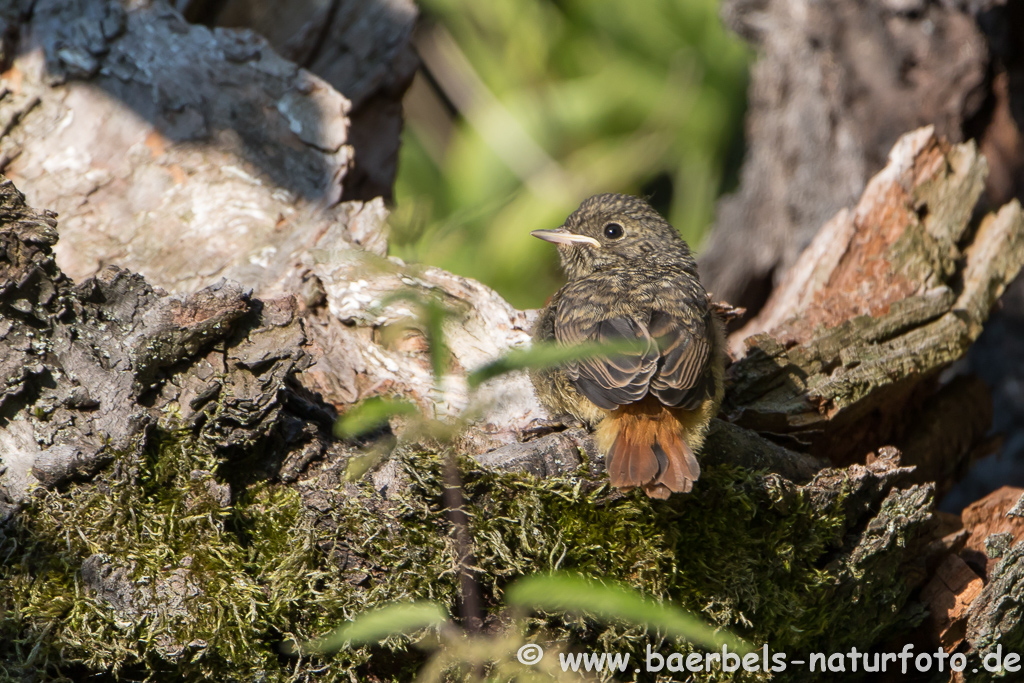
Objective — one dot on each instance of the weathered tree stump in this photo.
(173, 499)
(835, 85)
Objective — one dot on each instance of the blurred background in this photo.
(523, 108)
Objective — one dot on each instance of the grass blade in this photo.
(549, 355)
(378, 624)
(369, 415)
(565, 593)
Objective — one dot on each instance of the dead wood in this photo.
(188, 185)
(834, 86)
(949, 595)
(996, 552)
(88, 369)
(179, 152)
(363, 49)
(887, 296)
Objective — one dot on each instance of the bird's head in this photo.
(612, 231)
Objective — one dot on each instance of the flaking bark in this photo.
(101, 378)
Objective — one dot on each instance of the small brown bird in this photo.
(632, 277)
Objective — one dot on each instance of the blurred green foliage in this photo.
(537, 104)
(473, 657)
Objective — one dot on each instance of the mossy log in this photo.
(151, 440)
(174, 503)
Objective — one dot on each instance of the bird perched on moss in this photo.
(632, 280)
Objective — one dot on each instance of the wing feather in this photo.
(684, 376)
(672, 363)
(618, 378)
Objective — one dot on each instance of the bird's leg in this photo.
(542, 426)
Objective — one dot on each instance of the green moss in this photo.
(746, 550)
(231, 582)
(215, 588)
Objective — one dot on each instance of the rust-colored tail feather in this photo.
(645, 447)
(631, 462)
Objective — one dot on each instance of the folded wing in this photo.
(684, 378)
(617, 378)
(670, 360)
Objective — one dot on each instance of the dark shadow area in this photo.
(997, 359)
(998, 355)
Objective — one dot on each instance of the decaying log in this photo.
(88, 369)
(992, 529)
(375, 344)
(180, 153)
(948, 596)
(974, 595)
(835, 84)
(886, 297)
(272, 245)
(364, 50)
(210, 408)
(994, 616)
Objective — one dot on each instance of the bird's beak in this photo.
(563, 236)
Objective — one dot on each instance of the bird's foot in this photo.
(657, 491)
(542, 427)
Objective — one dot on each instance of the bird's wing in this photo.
(608, 380)
(684, 378)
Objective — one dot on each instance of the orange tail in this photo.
(644, 446)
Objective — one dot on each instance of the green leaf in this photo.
(574, 594)
(369, 415)
(376, 625)
(546, 355)
(361, 464)
(431, 315)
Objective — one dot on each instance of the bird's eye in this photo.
(613, 231)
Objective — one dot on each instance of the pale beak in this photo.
(562, 236)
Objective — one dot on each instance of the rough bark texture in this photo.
(170, 454)
(87, 370)
(364, 50)
(885, 297)
(994, 616)
(948, 596)
(835, 84)
(230, 159)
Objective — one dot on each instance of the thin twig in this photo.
(470, 607)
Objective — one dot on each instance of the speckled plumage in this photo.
(651, 407)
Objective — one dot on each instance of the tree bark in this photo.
(834, 86)
(148, 135)
(363, 49)
(172, 453)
